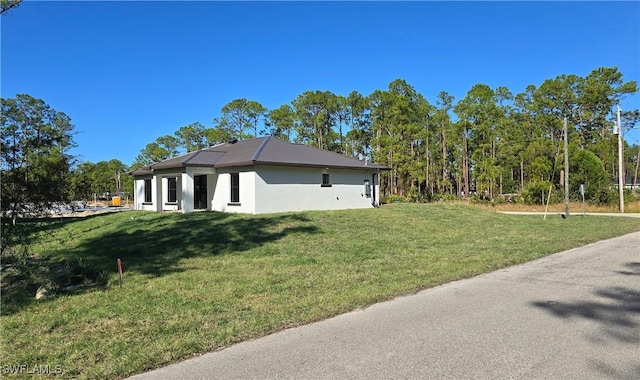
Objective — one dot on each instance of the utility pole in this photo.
(635, 175)
(566, 169)
(621, 173)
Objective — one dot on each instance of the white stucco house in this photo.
(257, 176)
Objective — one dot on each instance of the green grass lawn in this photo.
(197, 282)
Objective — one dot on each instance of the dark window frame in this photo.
(172, 193)
(147, 191)
(326, 180)
(200, 192)
(234, 189)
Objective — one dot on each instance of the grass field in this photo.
(197, 282)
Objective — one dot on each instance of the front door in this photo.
(200, 192)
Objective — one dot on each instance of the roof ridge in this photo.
(191, 156)
(260, 148)
(329, 151)
(171, 159)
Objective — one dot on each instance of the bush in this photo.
(509, 198)
(500, 200)
(23, 271)
(445, 197)
(474, 198)
(518, 199)
(604, 197)
(537, 191)
(393, 198)
(417, 197)
(587, 169)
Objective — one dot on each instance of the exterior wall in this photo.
(139, 203)
(156, 193)
(166, 206)
(280, 189)
(212, 182)
(188, 187)
(222, 196)
(186, 193)
(184, 190)
(264, 189)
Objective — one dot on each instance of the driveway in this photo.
(572, 315)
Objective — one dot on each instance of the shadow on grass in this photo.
(154, 247)
(154, 244)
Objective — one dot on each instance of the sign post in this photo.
(120, 271)
(621, 172)
(584, 207)
(566, 169)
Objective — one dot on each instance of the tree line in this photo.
(489, 143)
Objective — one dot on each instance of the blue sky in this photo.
(129, 72)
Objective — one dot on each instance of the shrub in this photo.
(586, 168)
(445, 197)
(535, 191)
(393, 198)
(500, 200)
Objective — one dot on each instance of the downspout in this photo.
(373, 189)
(375, 176)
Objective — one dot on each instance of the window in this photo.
(326, 181)
(172, 185)
(147, 191)
(200, 198)
(235, 187)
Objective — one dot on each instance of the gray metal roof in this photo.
(260, 151)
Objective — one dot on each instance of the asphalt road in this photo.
(572, 315)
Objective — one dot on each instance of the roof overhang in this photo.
(265, 151)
